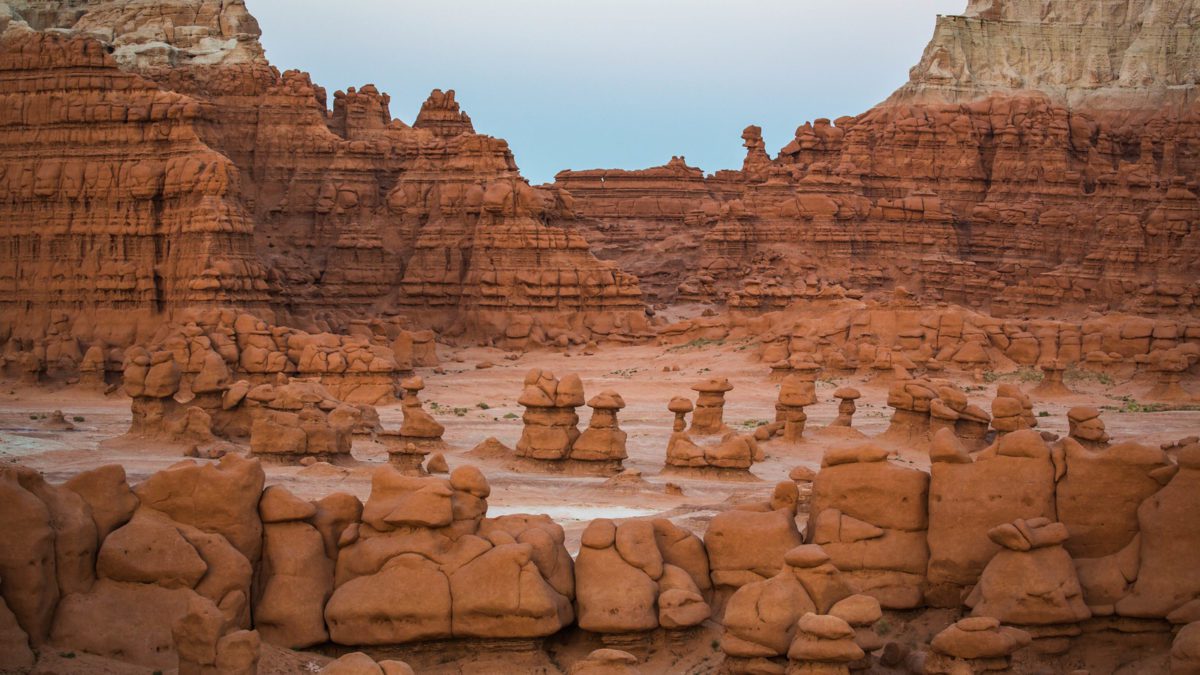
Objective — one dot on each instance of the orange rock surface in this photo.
(1024, 169)
(152, 162)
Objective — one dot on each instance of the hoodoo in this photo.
(278, 384)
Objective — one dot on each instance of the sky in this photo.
(625, 84)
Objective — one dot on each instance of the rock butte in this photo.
(215, 259)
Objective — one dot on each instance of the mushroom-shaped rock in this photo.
(861, 612)
(603, 440)
(1086, 427)
(974, 644)
(681, 407)
(551, 424)
(710, 406)
(823, 639)
(679, 404)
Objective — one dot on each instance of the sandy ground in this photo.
(477, 403)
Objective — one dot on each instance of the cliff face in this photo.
(152, 160)
(109, 199)
(1108, 53)
(1011, 173)
(1042, 159)
(143, 33)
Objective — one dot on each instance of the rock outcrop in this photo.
(1014, 478)
(627, 581)
(870, 517)
(199, 563)
(974, 644)
(551, 440)
(748, 544)
(280, 422)
(1032, 583)
(763, 618)
(688, 452)
(425, 563)
(1025, 123)
(212, 179)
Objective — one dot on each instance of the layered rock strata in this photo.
(213, 179)
(1024, 124)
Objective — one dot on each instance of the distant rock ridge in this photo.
(1102, 53)
(1042, 159)
(147, 33)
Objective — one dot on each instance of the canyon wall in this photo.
(1017, 172)
(153, 161)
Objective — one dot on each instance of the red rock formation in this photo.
(144, 221)
(188, 562)
(1023, 169)
(152, 161)
(642, 218)
(864, 337)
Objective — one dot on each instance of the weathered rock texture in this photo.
(870, 516)
(1112, 53)
(1026, 124)
(638, 575)
(689, 452)
(284, 418)
(200, 561)
(425, 563)
(212, 179)
(551, 440)
(898, 340)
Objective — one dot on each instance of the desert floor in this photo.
(477, 403)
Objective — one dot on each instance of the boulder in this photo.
(149, 549)
(107, 494)
(1185, 650)
(221, 498)
(1032, 580)
(870, 517)
(1013, 478)
(129, 622)
(1170, 544)
(502, 593)
(407, 601)
(296, 580)
(745, 546)
(613, 593)
(761, 617)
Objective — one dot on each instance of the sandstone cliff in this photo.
(152, 160)
(1109, 53)
(1014, 173)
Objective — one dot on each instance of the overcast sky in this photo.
(577, 84)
